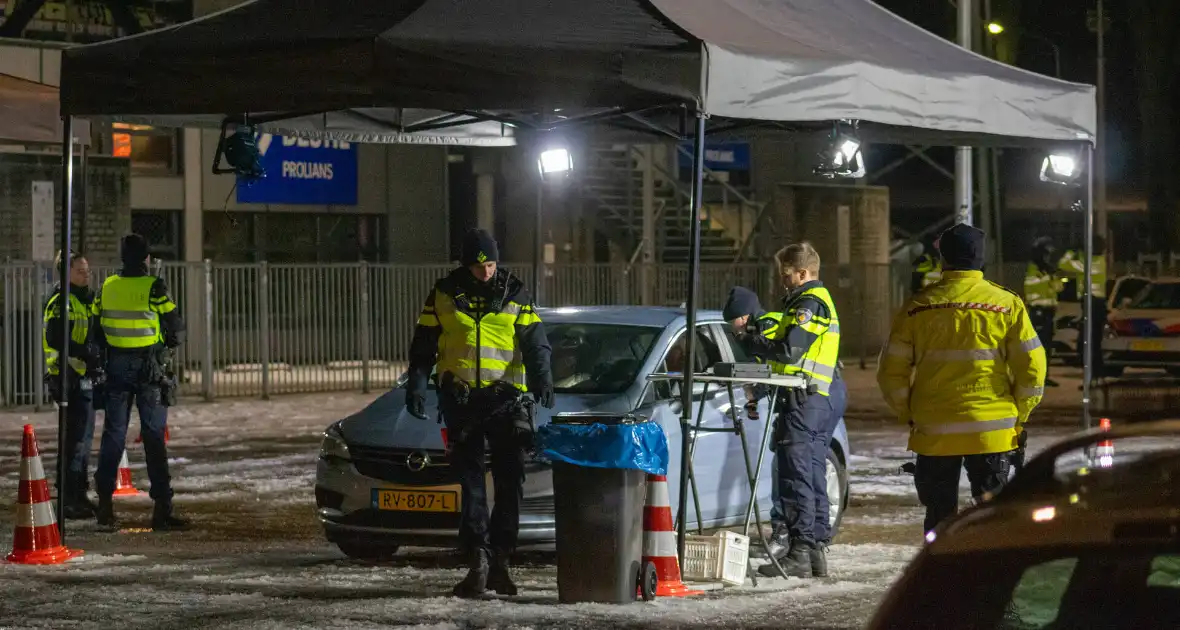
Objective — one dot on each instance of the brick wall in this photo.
(108, 215)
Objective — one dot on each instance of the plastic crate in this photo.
(722, 557)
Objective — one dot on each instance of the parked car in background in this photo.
(1065, 546)
(1069, 314)
(602, 357)
(1145, 329)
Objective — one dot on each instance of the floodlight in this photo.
(995, 28)
(1061, 168)
(555, 162)
(843, 157)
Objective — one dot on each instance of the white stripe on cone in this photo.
(124, 464)
(657, 493)
(35, 515)
(659, 544)
(31, 468)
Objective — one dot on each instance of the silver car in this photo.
(383, 480)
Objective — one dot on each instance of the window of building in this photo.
(152, 150)
(294, 237)
(162, 230)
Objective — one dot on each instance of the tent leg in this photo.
(694, 264)
(83, 200)
(63, 301)
(1088, 284)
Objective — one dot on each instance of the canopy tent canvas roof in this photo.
(783, 60)
(29, 113)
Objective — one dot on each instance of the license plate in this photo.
(1148, 346)
(416, 500)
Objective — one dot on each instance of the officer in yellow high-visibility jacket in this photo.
(480, 328)
(1072, 265)
(1041, 287)
(927, 271)
(964, 368)
(139, 324)
(83, 360)
(806, 343)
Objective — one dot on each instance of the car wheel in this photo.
(367, 551)
(837, 478)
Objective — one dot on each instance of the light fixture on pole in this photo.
(843, 156)
(1062, 167)
(995, 28)
(555, 163)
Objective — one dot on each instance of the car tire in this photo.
(837, 476)
(367, 551)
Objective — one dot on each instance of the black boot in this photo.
(779, 542)
(796, 562)
(476, 582)
(499, 579)
(105, 514)
(164, 521)
(78, 508)
(819, 560)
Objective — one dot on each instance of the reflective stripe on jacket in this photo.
(818, 364)
(1040, 287)
(1073, 264)
(931, 269)
(963, 367)
(79, 332)
(477, 346)
(129, 315)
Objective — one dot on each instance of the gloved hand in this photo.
(544, 395)
(93, 357)
(416, 404)
(1022, 438)
(752, 410)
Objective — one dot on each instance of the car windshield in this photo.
(1159, 295)
(593, 358)
(598, 358)
(1115, 586)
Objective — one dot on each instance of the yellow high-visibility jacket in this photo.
(963, 367)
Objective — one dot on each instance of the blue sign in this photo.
(719, 156)
(303, 171)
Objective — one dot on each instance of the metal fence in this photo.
(261, 329)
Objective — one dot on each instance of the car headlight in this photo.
(333, 446)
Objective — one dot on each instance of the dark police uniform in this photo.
(806, 343)
(489, 347)
(83, 361)
(139, 326)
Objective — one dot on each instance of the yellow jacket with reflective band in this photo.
(819, 362)
(769, 324)
(1073, 264)
(479, 349)
(1040, 287)
(931, 269)
(128, 314)
(80, 314)
(963, 367)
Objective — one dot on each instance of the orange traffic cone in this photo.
(123, 485)
(167, 435)
(1104, 451)
(37, 539)
(659, 539)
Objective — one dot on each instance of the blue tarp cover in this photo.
(641, 446)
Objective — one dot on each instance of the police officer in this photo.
(806, 343)
(1041, 287)
(964, 368)
(927, 271)
(480, 328)
(139, 326)
(84, 363)
(1073, 264)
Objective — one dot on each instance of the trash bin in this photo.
(600, 468)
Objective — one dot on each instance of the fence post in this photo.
(207, 324)
(366, 324)
(35, 324)
(264, 326)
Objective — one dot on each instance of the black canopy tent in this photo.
(669, 68)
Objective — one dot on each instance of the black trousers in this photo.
(1044, 321)
(937, 481)
(474, 432)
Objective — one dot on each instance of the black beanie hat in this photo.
(741, 301)
(133, 249)
(479, 247)
(961, 247)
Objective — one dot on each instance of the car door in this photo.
(735, 487)
(664, 399)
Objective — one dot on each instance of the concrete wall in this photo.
(108, 213)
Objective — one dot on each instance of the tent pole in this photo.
(690, 318)
(538, 244)
(963, 155)
(83, 200)
(1088, 285)
(63, 302)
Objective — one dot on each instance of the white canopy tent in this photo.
(646, 66)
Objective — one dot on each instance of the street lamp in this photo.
(843, 156)
(554, 164)
(1061, 167)
(995, 28)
